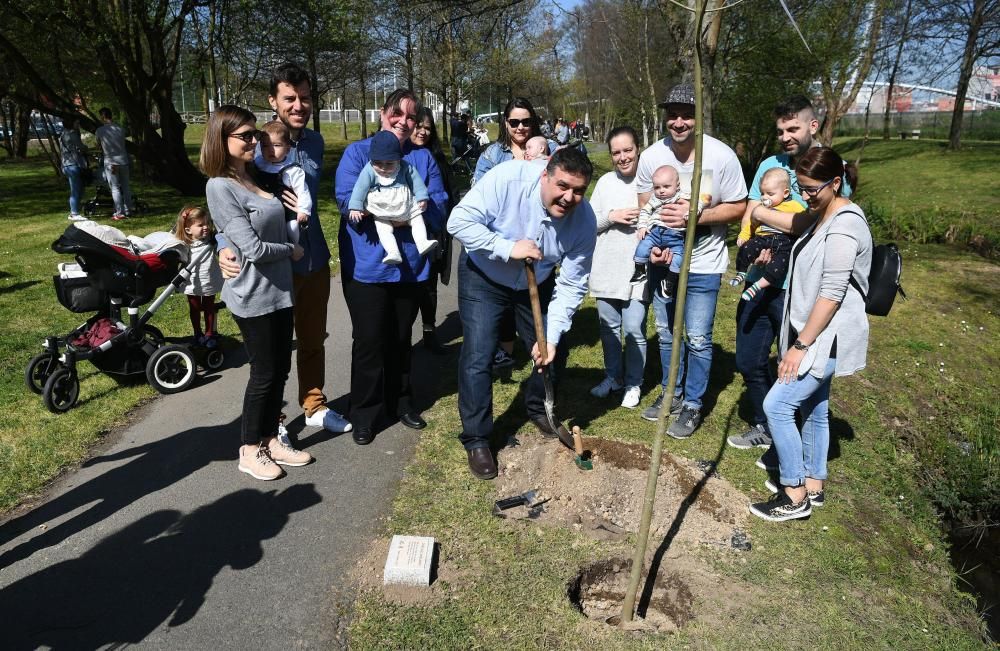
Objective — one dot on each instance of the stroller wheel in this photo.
(40, 368)
(61, 391)
(170, 369)
(214, 360)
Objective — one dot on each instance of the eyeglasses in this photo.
(515, 123)
(248, 136)
(812, 192)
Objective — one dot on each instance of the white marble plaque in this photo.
(409, 561)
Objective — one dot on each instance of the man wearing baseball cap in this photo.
(722, 179)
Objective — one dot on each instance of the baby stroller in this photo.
(102, 201)
(112, 273)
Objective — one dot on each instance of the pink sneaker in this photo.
(256, 462)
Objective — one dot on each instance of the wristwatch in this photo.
(798, 345)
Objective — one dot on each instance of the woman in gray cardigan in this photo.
(824, 330)
(260, 296)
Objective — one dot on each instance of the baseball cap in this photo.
(680, 94)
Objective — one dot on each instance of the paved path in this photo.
(159, 541)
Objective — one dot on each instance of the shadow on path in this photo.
(154, 466)
(159, 567)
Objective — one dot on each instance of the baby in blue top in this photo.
(390, 190)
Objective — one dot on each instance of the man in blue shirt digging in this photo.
(518, 212)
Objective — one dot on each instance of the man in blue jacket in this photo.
(517, 213)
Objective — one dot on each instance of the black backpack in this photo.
(883, 280)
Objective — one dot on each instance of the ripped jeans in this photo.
(696, 345)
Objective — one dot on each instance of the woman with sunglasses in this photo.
(520, 124)
(260, 296)
(425, 136)
(382, 298)
(824, 329)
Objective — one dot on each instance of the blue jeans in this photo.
(481, 304)
(628, 318)
(73, 175)
(801, 455)
(662, 238)
(758, 322)
(696, 346)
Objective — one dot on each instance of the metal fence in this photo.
(976, 125)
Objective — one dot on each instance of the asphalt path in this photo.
(159, 541)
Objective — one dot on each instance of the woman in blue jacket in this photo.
(382, 298)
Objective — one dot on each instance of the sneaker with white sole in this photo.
(605, 388)
(631, 398)
(816, 498)
(283, 432)
(256, 462)
(286, 455)
(76, 217)
(652, 412)
(780, 508)
(687, 422)
(329, 420)
(755, 437)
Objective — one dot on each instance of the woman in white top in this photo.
(621, 306)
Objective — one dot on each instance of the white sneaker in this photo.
(606, 386)
(631, 398)
(76, 217)
(427, 247)
(392, 259)
(329, 419)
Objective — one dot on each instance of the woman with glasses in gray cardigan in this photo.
(824, 330)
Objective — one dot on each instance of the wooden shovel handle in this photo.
(536, 308)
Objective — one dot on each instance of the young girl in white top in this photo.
(195, 229)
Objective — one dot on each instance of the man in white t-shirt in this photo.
(111, 140)
(722, 177)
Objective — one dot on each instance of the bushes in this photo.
(933, 226)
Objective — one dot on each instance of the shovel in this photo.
(550, 403)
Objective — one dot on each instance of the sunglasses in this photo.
(515, 123)
(812, 192)
(248, 136)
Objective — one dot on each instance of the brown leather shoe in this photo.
(481, 463)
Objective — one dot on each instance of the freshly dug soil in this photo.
(693, 505)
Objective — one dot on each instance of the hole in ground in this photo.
(598, 592)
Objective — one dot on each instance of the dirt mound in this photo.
(693, 505)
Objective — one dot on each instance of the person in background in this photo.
(425, 136)
(74, 160)
(520, 124)
(621, 304)
(111, 140)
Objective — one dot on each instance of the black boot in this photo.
(431, 342)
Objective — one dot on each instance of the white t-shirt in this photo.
(710, 255)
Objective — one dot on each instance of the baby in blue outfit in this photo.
(391, 190)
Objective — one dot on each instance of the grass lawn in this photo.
(869, 570)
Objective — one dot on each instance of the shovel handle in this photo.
(536, 308)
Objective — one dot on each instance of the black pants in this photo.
(382, 315)
(781, 252)
(429, 300)
(268, 341)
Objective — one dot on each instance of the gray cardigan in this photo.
(255, 229)
(823, 261)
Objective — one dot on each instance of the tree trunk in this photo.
(364, 113)
(21, 132)
(314, 75)
(343, 115)
(895, 69)
(968, 61)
